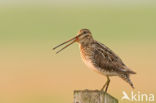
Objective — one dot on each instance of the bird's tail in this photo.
(126, 78)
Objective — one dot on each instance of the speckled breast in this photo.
(87, 57)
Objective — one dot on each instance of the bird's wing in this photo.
(105, 58)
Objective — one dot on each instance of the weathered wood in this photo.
(93, 96)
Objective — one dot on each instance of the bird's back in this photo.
(99, 56)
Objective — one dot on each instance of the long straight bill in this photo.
(66, 46)
(74, 40)
(64, 43)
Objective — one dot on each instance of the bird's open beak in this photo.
(73, 40)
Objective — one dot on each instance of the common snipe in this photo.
(99, 57)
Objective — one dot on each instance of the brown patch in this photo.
(77, 39)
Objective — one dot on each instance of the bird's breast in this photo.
(87, 57)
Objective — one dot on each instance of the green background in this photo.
(31, 72)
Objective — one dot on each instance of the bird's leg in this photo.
(106, 84)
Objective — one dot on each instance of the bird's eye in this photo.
(84, 32)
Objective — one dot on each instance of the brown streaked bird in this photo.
(99, 57)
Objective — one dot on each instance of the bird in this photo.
(99, 58)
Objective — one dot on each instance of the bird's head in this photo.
(83, 37)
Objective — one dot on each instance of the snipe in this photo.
(99, 57)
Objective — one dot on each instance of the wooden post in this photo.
(93, 96)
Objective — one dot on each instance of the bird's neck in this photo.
(86, 42)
